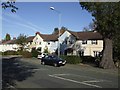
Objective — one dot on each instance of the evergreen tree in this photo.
(7, 37)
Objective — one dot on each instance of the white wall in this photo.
(6, 47)
(64, 36)
(89, 47)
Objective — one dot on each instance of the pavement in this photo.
(34, 75)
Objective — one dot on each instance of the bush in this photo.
(88, 59)
(34, 53)
(26, 54)
(0, 53)
(72, 59)
(10, 53)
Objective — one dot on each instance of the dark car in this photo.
(53, 60)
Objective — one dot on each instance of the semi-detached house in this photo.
(71, 43)
(43, 41)
(8, 46)
(84, 43)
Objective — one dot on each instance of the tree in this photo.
(90, 27)
(10, 4)
(46, 50)
(55, 30)
(21, 40)
(63, 28)
(107, 21)
(85, 29)
(7, 37)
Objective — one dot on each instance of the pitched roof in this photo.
(30, 38)
(49, 37)
(87, 35)
(9, 42)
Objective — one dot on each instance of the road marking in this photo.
(40, 69)
(75, 81)
(94, 81)
(61, 74)
(10, 86)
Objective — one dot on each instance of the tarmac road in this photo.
(69, 76)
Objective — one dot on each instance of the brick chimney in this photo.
(37, 33)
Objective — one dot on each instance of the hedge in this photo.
(24, 54)
(9, 53)
(72, 59)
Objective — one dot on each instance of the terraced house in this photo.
(71, 43)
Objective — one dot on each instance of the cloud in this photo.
(17, 20)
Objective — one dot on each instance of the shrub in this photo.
(0, 53)
(88, 59)
(72, 59)
(10, 53)
(34, 53)
(26, 54)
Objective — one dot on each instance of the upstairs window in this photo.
(48, 43)
(40, 43)
(94, 42)
(84, 41)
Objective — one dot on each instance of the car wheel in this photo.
(43, 63)
(55, 65)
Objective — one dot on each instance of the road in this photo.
(29, 73)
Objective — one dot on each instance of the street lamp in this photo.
(59, 13)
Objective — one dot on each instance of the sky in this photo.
(32, 17)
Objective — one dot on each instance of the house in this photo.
(45, 41)
(71, 43)
(9, 46)
(84, 43)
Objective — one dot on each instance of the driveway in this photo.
(34, 75)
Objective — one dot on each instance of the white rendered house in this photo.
(8, 46)
(43, 41)
(84, 43)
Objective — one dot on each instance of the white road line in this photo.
(75, 81)
(61, 74)
(10, 86)
(94, 81)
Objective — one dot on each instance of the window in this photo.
(94, 42)
(40, 43)
(96, 53)
(39, 49)
(81, 53)
(84, 42)
(30, 42)
(48, 43)
(36, 38)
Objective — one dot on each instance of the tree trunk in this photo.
(107, 59)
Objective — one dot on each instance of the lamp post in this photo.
(59, 13)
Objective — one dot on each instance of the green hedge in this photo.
(88, 59)
(26, 54)
(72, 59)
(9, 53)
(34, 53)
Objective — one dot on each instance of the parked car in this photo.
(41, 55)
(53, 60)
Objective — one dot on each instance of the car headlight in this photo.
(60, 61)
